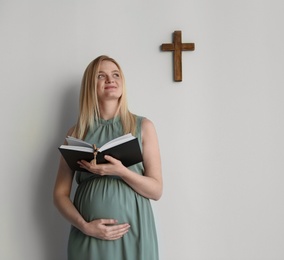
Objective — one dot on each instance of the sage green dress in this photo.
(110, 197)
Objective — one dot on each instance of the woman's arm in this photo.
(150, 185)
(61, 195)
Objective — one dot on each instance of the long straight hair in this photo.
(89, 111)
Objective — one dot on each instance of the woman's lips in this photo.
(110, 87)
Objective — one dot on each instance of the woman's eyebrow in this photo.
(111, 71)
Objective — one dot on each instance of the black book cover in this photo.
(128, 153)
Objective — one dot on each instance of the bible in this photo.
(125, 148)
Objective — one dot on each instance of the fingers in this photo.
(109, 168)
(90, 166)
(117, 231)
(111, 159)
(112, 230)
(107, 229)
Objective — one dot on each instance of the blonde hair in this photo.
(89, 112)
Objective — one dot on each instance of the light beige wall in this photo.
(220, 130)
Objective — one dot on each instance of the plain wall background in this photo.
(220, 129)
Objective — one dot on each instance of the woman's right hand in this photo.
(106, 229)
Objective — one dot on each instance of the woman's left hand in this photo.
(113, 167)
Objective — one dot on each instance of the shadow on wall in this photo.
(51, 226)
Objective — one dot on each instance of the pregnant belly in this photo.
(106, 197)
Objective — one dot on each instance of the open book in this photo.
(124, 148)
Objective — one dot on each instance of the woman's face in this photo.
(109, 84)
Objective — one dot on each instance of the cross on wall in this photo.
(177, 47)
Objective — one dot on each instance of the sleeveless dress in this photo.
(110, 197)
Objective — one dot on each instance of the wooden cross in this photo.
(177, 47)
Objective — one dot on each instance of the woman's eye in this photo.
(116, 75)
(101, 76)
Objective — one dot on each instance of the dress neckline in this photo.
(109, 121)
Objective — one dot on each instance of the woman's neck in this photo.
(108, 110)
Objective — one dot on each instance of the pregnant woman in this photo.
(111, 216)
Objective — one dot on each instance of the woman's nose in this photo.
(109, 78)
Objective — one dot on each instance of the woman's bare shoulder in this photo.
(148, 128)
(147, 123)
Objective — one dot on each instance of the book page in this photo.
(77, 148)
(117, 141)
(77, 142)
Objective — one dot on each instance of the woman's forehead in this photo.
(108, 65)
